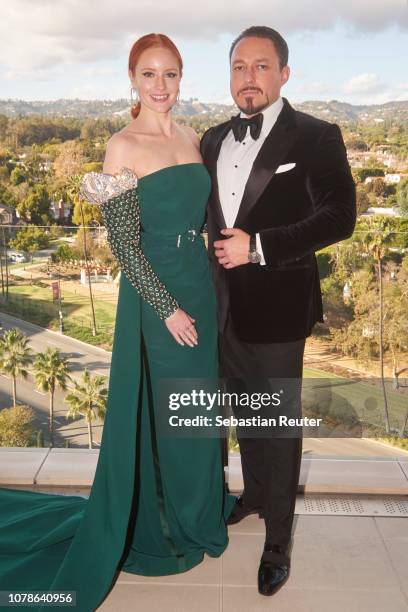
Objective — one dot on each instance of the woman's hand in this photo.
(181, 326)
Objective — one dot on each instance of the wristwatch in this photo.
(253, 255)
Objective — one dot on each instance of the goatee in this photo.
(250, 108)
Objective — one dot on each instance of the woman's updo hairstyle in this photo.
(148, 42)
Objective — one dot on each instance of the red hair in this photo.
(150, 41)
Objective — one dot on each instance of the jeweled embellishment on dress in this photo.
(97, 187)
(118, 198)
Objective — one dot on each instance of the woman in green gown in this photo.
(157, 503)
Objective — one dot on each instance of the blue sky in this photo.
(337, 50)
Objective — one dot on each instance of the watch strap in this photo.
(252, 243)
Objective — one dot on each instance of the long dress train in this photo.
(157, 504)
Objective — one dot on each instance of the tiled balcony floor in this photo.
(339, 564)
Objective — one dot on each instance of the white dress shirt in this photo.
(235, 163)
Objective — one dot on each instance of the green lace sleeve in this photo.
(117, 197)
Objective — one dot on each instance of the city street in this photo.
(80, 355)
(97, 361)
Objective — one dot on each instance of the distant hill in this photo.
(331, 111)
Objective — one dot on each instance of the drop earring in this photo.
(134, 101)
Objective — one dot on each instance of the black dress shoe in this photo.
(240, 511)
(271, 577)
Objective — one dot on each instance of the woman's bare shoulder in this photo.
(122, 138)
(121, 150)
(191, 133)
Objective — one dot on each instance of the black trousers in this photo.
(270, 464)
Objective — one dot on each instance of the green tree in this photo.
(395, 316)
(51, 370)
(91, 213)
(66, 253)
(6, 197)
(29, 240)
(73, 190)
(356, 144)
(4, 121)
(346, 259)
(15, 357)
(18, 175)
(402, 196)
(358, 336)
(378, 233)
(70, 160)
(362, 199)
(34, 129)
(337, 313)
(84, 243)
(36, 204)
(16, 426)
(360, 174)
(56, 231)
(378, 187)
(88, 399)
(98, 129)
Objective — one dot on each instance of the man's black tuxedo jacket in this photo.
(296, 213)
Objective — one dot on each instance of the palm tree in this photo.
(4, 250)
(375, 243)
(88, 399)
(73, 192)
(15, 357)
(1, 257)
(51, 371)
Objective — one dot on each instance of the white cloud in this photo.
(367, 88)
(365, 83)
(40, 74)
(399, 93)
(43, 34)
(97, 71)
(403, 87)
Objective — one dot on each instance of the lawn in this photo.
(34, 303)
(350, 398)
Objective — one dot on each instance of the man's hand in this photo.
(233, 251)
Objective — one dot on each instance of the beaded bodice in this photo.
(117, 195)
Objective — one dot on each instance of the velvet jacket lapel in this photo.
(273, 151)
(276, 146)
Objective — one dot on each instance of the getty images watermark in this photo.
(310, 407)
(208, 408)
(254, 401)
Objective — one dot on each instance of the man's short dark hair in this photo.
(264, 32)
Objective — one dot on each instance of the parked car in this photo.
(17, 257)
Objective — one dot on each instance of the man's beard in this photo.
(251, 109)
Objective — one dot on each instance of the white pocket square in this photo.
(285, 167)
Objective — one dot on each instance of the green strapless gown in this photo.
(157, 504)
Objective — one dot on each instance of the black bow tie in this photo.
(240, 125)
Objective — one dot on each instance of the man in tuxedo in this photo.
(281, 190)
